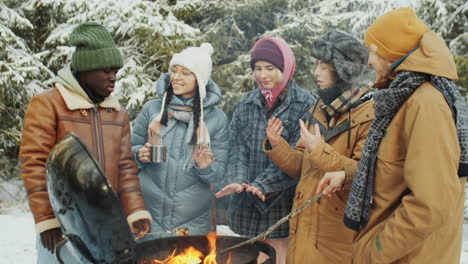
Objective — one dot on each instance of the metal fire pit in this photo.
(160, 249)
(92, 220)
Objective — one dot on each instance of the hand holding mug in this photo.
(144, 153)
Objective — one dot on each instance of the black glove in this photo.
(51, 237)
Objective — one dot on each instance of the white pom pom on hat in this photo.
(198, 61)
(207, 47)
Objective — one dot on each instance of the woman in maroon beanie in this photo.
(263, 193)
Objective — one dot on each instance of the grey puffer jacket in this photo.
(176, 197)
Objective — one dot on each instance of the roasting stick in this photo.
(263, 235)
(181, 231)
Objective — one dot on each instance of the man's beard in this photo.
(328, 95)
(385, 82)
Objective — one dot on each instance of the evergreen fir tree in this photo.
(34, 43)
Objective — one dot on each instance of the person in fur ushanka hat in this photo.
(343, 116)
(346, 58)
(262, 193)
(187, 122)
(408, 194)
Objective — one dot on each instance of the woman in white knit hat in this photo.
(194, 131)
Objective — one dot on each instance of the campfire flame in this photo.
(191, 255)
(211, 258)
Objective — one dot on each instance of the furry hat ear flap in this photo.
(346, 54)
(349, 72)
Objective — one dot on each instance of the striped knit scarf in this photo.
(387, 103)
(347, 100)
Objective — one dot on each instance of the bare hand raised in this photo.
(203, 156)
(230, 189)
(254, 190)
(310, 140)
(274, 130)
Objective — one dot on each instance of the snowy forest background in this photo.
(34, 35)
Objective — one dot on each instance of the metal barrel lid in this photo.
(88, 210)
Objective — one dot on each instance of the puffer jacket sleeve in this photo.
(39, 137)
(237, 168)
(430, 171)
(220, 147)
(129, 191)
(140, 133)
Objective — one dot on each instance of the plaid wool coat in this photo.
(247, 214)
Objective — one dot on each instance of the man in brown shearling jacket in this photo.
(81, 101)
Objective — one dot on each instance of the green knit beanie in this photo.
(95, 48)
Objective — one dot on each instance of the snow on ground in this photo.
(464, 255)
(225, 231)
(17, 238)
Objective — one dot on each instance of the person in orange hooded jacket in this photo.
(407, 197)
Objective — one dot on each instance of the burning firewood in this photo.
(190, 254)
(180, 231)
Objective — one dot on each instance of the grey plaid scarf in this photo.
(387, 103)
(158, 133)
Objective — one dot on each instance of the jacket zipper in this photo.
(97, 137)
(317, 223)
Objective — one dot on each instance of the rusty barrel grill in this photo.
(93, 222)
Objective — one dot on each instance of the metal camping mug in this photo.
(158, 154)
